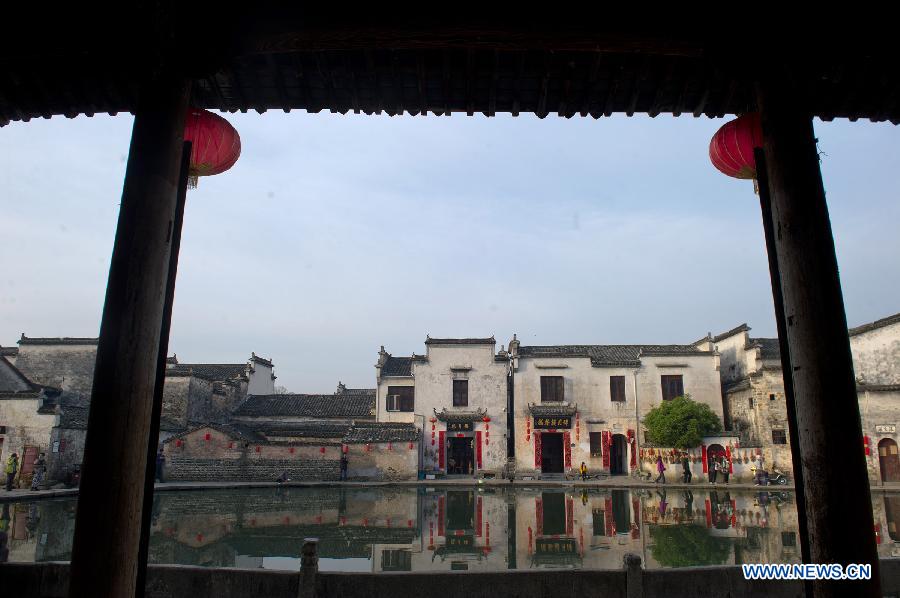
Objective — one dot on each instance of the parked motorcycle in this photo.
(776, 477)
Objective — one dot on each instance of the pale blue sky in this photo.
(335, 234)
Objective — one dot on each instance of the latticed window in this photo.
(617, 389)
(460, 393)
(672, 386)
(552, 388)
(779, 437)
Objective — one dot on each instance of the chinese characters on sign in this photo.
(552, 423)
(459, 426)
(886, 429)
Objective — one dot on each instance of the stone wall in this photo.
(381, 462)
(66, 366)
(249, 470)
(24, 427)
(69, 452)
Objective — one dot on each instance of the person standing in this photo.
(583, 470)
(686, 468)
(661, 468)
(40, 467)
(757, 466)
(160, 465)
(344, 467)
(711, 460)
(12, 466)
(723, 467)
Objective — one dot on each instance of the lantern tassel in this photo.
(192, 182)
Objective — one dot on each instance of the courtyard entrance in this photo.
(618, 455)
(551, 452)
(461, 456)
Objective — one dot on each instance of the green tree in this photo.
(687, 546)
(681, 423)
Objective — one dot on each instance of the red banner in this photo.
(567, 449)
(539, 515)
(570, 516)
(608, 518)
(478, 450)
(604, 446)
(537, 450)
(633, 452)
(441, 448)
(728, 457)
(708, 514)
(703, 453)
(441, 514)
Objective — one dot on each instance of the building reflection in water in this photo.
(386, 529)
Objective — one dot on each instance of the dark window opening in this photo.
(400, 398)
(617, 389)
(751, 402)
(771, 397)
(552, 389)
(779, 437)
(596, 444)
(396, 560)
(788, 539)
(460, 393)
(672, 386)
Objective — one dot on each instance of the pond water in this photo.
(456, 529)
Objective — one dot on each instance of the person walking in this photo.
(686, 468)
(661, 468)
(12, 466)
(40, 467)
(758, 470)
(344, 467)
(160, 465)
(711, 459)
(723, 467)
(583, 470)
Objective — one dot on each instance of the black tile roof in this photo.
(609, 355)
(875, 325)
(460, 341)
(307, 405)
(769, 348)
(397, 366)
(311, 429)
(237, 431)
(73, 418)
(214, 372)
(65, 340)
(381, 432)
(9, 351)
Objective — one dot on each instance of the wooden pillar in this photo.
(826, 421)
(159, 386)
(108, 523)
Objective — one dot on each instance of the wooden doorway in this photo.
(889, 460)
(551, 452)
(618, 455)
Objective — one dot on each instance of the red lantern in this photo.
(731, 148)
(486, 418)
(215, 144)
(177, 442)
(322, 449)
(207, 436)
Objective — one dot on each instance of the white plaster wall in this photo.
(24, 427)
(876, 355)
(261, 380)
(735, 361)
(383, 415)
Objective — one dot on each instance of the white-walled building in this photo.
(577, 403)
(457, 395)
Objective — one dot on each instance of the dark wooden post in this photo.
(156, 413)
(108, 523)
(827, 426)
